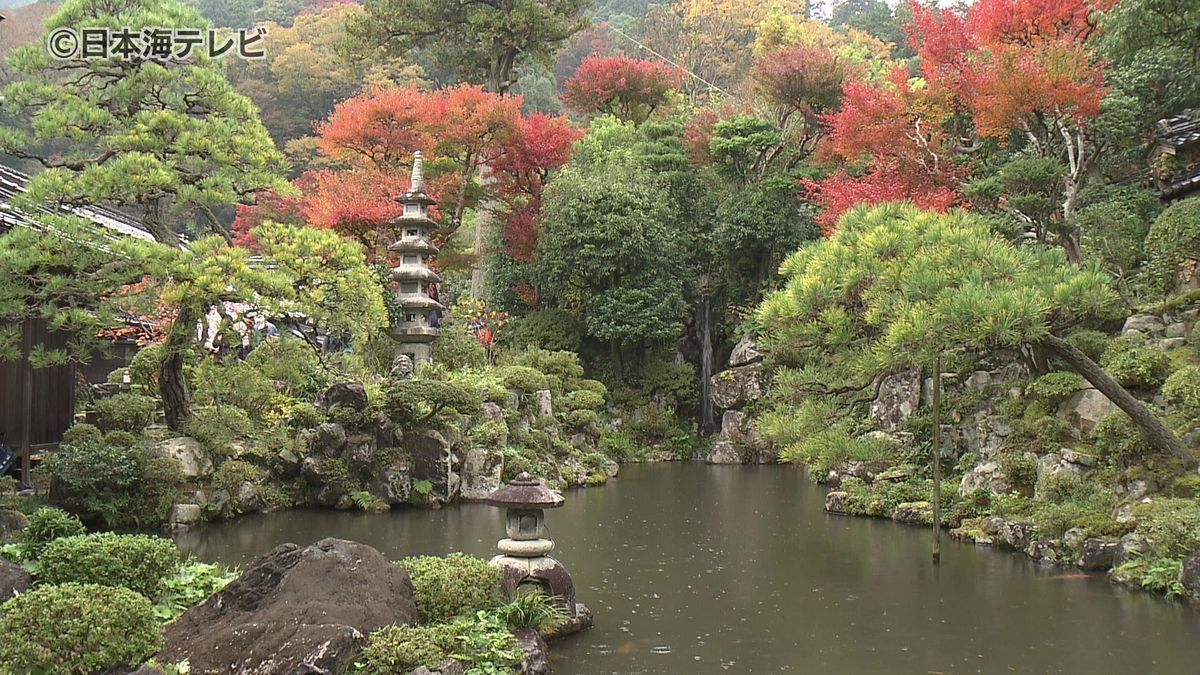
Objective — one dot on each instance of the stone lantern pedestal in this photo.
(524, 553)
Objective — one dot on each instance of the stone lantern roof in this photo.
(525, 492)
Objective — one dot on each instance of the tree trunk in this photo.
(483, 221)
(172, 384)
(1160, 436)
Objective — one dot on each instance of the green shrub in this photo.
(230, 476)
(399, 649)
(1172, 525)
(482, 643)
(217, 427)
(190, 585)
(561, 364)
(138, 562)
(655, 423)
(1162, 575)
(523, 378)
(1039, 432)
(619, 445)
(671, 378)
(120, 439)
(552, 329)
(592, 385)
(1182, 388)
(82, 434)
(76, 628)
(1054, 388)
(457, 348)
(290, 366)
(1067, 502)
(1020, 470)
(583, 420)
(488, 434)
(126, 412)
(1119, 439)
(1133, 364)
(47, 524)
(1090, 342)
(1114, 222)
(143, 369)
(418, 400)
(582, 399)
(304, 415)
(126, 487)
(1173, 238)
(455, 585)
(233, 383)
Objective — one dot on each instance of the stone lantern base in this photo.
(552, 578)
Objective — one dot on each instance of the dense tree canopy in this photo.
(167, 139)
(479, 42)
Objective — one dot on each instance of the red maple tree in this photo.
(631, 89)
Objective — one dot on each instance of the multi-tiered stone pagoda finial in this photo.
(418, 326)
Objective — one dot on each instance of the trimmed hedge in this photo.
(138, 562)
(76, 628)
(455, 585)
(47, 524)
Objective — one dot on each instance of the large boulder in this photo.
(359, 452)
(732, 389)
(329, 439)
(543, 403)
(899, 395)
(481, 469)
(1145, 324)
(1097, 554)
(350, 395)
(740, 442)
(14, 580)
(294, 610)
(194, 462)
(1130, 547)
(537, 654)
(1084, 409)
(745, 351)
(988, 476)
(12, 524)
(1053, 464)
(393, 482)
(913, 513)
(1189, 578)
(837, 502)
(434, 461)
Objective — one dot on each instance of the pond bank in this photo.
(705, 569)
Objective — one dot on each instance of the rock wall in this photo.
(366, 461)
(731, 390)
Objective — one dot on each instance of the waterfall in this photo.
(706, 363)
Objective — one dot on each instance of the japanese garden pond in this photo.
(709, 569)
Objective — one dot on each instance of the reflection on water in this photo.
(699, 569)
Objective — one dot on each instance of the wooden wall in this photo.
(53, 401)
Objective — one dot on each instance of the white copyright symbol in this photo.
(62, 43)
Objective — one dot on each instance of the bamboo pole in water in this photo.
(937, 458)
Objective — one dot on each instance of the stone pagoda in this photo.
(418, 327)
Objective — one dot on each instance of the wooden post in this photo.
(26, 403)
(937, 458)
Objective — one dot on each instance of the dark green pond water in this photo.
(701, 569)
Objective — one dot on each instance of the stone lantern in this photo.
(524, 553)
(418, 326)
